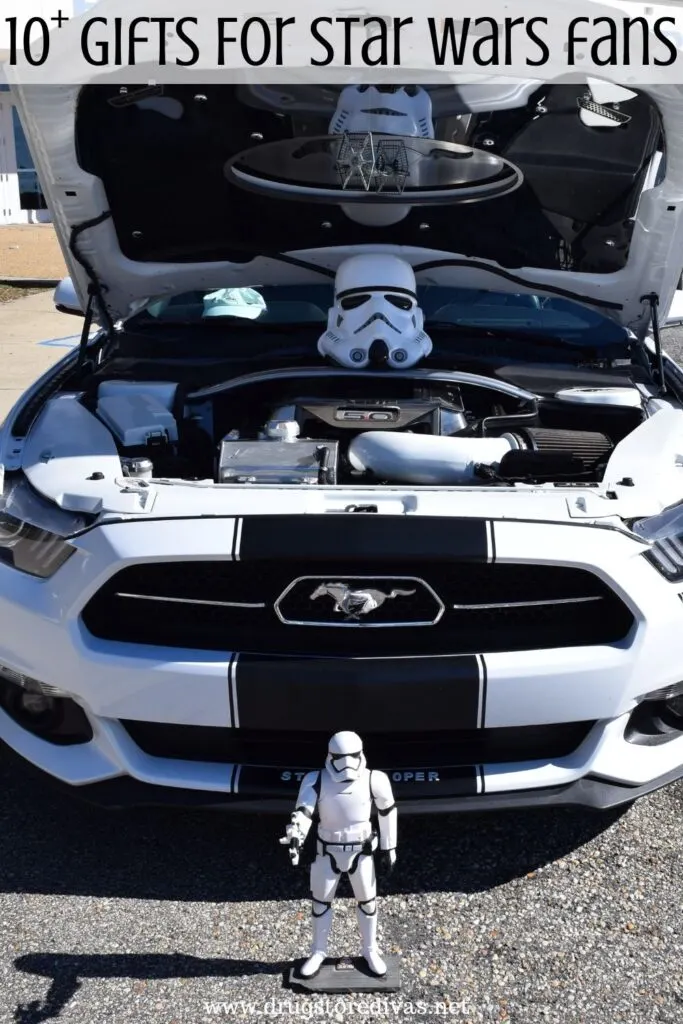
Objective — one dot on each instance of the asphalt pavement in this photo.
(33, 336)
(552, 917)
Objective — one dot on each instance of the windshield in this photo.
(462, 307)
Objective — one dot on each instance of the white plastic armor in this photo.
(343, 796)
(387, 110)
(375, 320)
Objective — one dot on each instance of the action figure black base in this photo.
(346, 974)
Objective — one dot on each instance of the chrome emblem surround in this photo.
(351, 601)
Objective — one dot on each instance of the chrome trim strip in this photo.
(358, 624)
(192, 600)
(527, 604)
(412, 579)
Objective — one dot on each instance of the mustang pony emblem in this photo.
(354, 603)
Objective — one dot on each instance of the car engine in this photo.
(325, 427)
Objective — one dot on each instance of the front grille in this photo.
(231, 606)
(307, 750)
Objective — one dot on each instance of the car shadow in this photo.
(66, 974)
(166, 854)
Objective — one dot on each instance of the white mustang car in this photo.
(376, 434)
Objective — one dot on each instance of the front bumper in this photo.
(125, 792)
(113, 771)
(590, 793)
(43, 636)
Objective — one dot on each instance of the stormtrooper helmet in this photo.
(345, 758)
(384, 112)
(385, 109)
(375, 320)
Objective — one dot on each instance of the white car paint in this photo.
(70, 458)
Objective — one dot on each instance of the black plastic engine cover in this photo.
(429, 416)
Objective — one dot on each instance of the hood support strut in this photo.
(653, 300)
(87, 324)
(95, 288)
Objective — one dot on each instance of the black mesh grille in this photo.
(307, 750)
(483, 609)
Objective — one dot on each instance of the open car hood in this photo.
(570, 190)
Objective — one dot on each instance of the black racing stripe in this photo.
(482, 778)
(361, 536)
(493, 541)
(256, 780)
(407, 783)
(235, 535)
(426, 783)
(360, 694)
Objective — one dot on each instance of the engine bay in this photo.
(316, 426)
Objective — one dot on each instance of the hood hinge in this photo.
(653, 300)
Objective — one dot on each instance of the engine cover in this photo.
(428, 416)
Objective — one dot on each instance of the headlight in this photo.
(669, 694)
(33, 532)
(665, 534)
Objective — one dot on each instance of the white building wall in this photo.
(10, 203)
(11, 211)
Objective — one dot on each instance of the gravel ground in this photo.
(8, 293)
(526, 918)
(30, 250)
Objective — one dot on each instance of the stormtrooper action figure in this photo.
(375, 320)
(343, 794)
